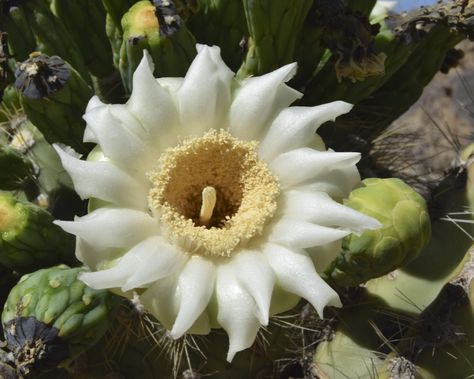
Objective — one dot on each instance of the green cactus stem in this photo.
(217, 15)
(28, 238)
(54, 97)
(274, 28)
(85, 23)
(160, 30)
(404, 233)
(51, 316)
(40, 30)
(16, 169)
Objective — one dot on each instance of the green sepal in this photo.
(28, 238)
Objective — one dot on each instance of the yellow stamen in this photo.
(209, 197)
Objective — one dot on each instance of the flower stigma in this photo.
(209, 196)
(212, 193)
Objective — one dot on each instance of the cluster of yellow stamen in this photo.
(212, 193)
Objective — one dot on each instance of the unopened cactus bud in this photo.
(405, 232)
(51, 316)
(29, 239)
(16, 169)
(54, 97)
(159, 29)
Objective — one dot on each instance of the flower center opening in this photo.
(212, 193)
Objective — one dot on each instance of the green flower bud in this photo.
(51, 316)
(159, 29)
(29, 239)
(54, 97)
(405, 232)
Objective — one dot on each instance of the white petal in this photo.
(171, 85)
(111, 278)
(253, 272)
(94, 102)
(301, 234)
(296, 274)
(235, 311)
(300, 165)
(91, 257)
(204, 96)
(319, 208)
(151, 260)
(294, 127)
(195, 286)
(105, 181)
(161, 300)
(323, 255)
(112, 227)
(120, 135)
(259, 100)
(337, 183)
(152, 104)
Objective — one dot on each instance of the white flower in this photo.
(215, 198)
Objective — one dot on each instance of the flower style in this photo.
(213, 199)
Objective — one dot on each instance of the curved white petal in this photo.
(161, 300)
(336, 183)
(112, 227)
(323, 255)
(111, 278)
(296, 274)
(120, 136)
(295, 127)
(90, 256)
(300, 165)
(152, 104)
(259, 100)
(301, 234)
(319, 208)
(235, 311)
(94, 102)
(151, 259)
(204, 96)
(103, 180)
(195, 285)
(253, 272)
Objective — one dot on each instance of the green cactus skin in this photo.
(16, 169)
(405, 231)
(274, 28)
(50, 35)
(217, 15)
(29, 239)
(55, 108)
(363, 6)
(85, 22)
(169, 43)
(51, 316)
